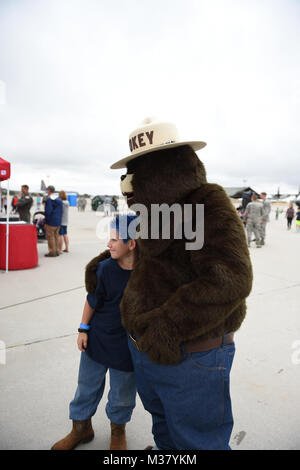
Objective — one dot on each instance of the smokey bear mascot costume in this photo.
(183, 303)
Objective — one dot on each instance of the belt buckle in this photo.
(134, 341)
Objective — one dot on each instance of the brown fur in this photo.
(91, 269)
(166, 176)
(175, 295)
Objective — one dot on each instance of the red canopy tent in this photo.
(5, 175)
(4, 169)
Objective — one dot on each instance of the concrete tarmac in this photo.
(40, 310)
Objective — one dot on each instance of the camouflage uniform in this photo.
(23, 207)
(265, 218)
(253, 214)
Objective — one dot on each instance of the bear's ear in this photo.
(91, 271)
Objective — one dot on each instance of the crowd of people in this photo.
(56, 209)
(292, 214)
(56, 222)
(20, 204)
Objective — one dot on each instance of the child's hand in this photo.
(82, 341)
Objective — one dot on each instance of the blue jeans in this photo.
(91, 383)
(190, 401)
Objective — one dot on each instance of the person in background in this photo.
(240, 212)
(290, 214)
(81, 204)
(14, 203)
(298, 220)
(63, 236)
(38, 202)
(53, 216)
(44, 199)
(277, 213)
(107, 206)
(4, 203)
(24, 204)
(253, 215)
(265, 218)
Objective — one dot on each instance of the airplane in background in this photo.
(294, 198)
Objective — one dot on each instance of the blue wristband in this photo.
(84, 326)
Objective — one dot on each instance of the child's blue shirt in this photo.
(107, 341)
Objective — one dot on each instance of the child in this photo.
(63, 229)
(102, 341)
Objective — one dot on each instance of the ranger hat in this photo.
(153, 135)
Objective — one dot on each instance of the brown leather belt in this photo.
(134, 341)
(199, 345)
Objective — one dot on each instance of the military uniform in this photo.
(254, 213)
(23, 207)
(265, 218)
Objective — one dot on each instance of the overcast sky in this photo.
(77, 76)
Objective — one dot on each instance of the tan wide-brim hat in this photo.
(153, 135)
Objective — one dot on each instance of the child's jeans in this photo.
(91, 383)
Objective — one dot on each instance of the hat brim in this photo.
(196, 145)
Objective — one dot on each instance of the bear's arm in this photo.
(224, 280)
(91, 271)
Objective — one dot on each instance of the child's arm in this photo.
(95, 291)
(87, 314)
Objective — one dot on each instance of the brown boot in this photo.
(118, 436)
(81, 433)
